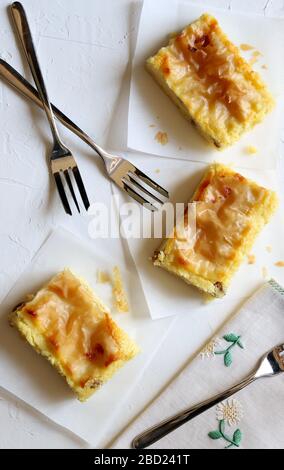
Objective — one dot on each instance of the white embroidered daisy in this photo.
(209, 348)
(231, 411)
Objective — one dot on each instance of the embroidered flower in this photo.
(209, 348)
(230, 411)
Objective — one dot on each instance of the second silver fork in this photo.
(62, 160)
(271, 364)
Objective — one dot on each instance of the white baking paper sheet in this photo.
(32, 379)
(151, 111)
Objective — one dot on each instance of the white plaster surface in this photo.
(84, 48)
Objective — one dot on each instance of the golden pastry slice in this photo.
(215, 88)
(66, 323)
(230, 212)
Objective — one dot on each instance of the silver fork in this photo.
(122, 172)
(62, 160)
(272, 363)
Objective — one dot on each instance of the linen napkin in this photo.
(254, 417)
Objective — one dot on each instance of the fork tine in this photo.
(139, 198)
(62, 193)
(81, 187)
(69, 182)
(144, 190)
(151, 183)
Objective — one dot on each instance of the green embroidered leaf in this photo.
(237, 437)
(228, 359)
(240, 344)
(231, 338)
(215, 435)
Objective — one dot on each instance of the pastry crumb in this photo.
(251, 150)
(255, 57)
(152, 125)
(251, 259)
(252, 61)
(264, 272)
(279, 264)
(268, 248)
(162, 138)
(119, 294)
(103, 277)
(158, 170)
(264, 67)
(246, 47)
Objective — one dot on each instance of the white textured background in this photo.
(84, 48)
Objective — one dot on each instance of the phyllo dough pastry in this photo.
(215, 88)
(70, 326)
(230, 212)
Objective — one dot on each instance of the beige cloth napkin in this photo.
(254, 417)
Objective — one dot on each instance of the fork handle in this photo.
(17, 81)
(25, 35)
(160, 430)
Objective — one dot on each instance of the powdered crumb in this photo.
(268, 248)
(162, 138)
(119, 294)
(246, 47)
(280, 264)
(251, 259)
(251, 150)
(102, 277)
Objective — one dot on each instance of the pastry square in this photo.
(230, 212)
(214, 87)
(66, 323)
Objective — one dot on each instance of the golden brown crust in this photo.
(66, 323)
(208, 79)
(230, 212)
